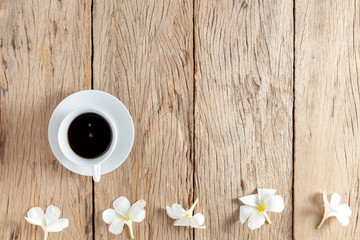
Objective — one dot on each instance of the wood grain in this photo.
(327, 116)
(143, 55)
(217, 133)
(45, 53)
(243, 112)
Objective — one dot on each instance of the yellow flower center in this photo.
(261, 208)
(187, 215)
(127, 218)
(45, 222)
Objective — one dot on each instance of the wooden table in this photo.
(226, 97)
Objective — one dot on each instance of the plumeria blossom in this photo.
(258, 205)
(342, 212)
(49, 221)
(185, 218)
(124, 213)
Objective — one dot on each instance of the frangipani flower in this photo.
(124, 214)
(257, 205)
(333, 209)
(49, 222)
(185, 218)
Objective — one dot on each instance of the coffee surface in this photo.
(89, 135)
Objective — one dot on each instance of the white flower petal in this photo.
(35, 216)
(329, 212)
(34, 221)
(178, 209)
(117, 226)
(184, 221)
(274, 204)
(171, 213)
(175, 211)
(198, 227)
(344, 209)
(122, 206)
(139, 216)
(136, 209)
(197, 220)
(110, 216)
(246, 211)
(265, 194)
(335, 200)
(326, 202)
(54, 227)
(57, 226)
(252, 200)
(256, 220)
(64, 222)
(344, 220)
(52, 214)
(35, 212)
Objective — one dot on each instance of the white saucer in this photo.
(109, 105)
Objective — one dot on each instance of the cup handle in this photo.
(96, 172)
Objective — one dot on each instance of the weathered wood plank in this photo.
(243, 112)
(143, 55)
(45, 53)
(327, 127)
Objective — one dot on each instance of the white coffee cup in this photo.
(106, 106)
(94, 163)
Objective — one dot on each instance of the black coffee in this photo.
(89, 135)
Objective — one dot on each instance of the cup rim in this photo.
(64, 141)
